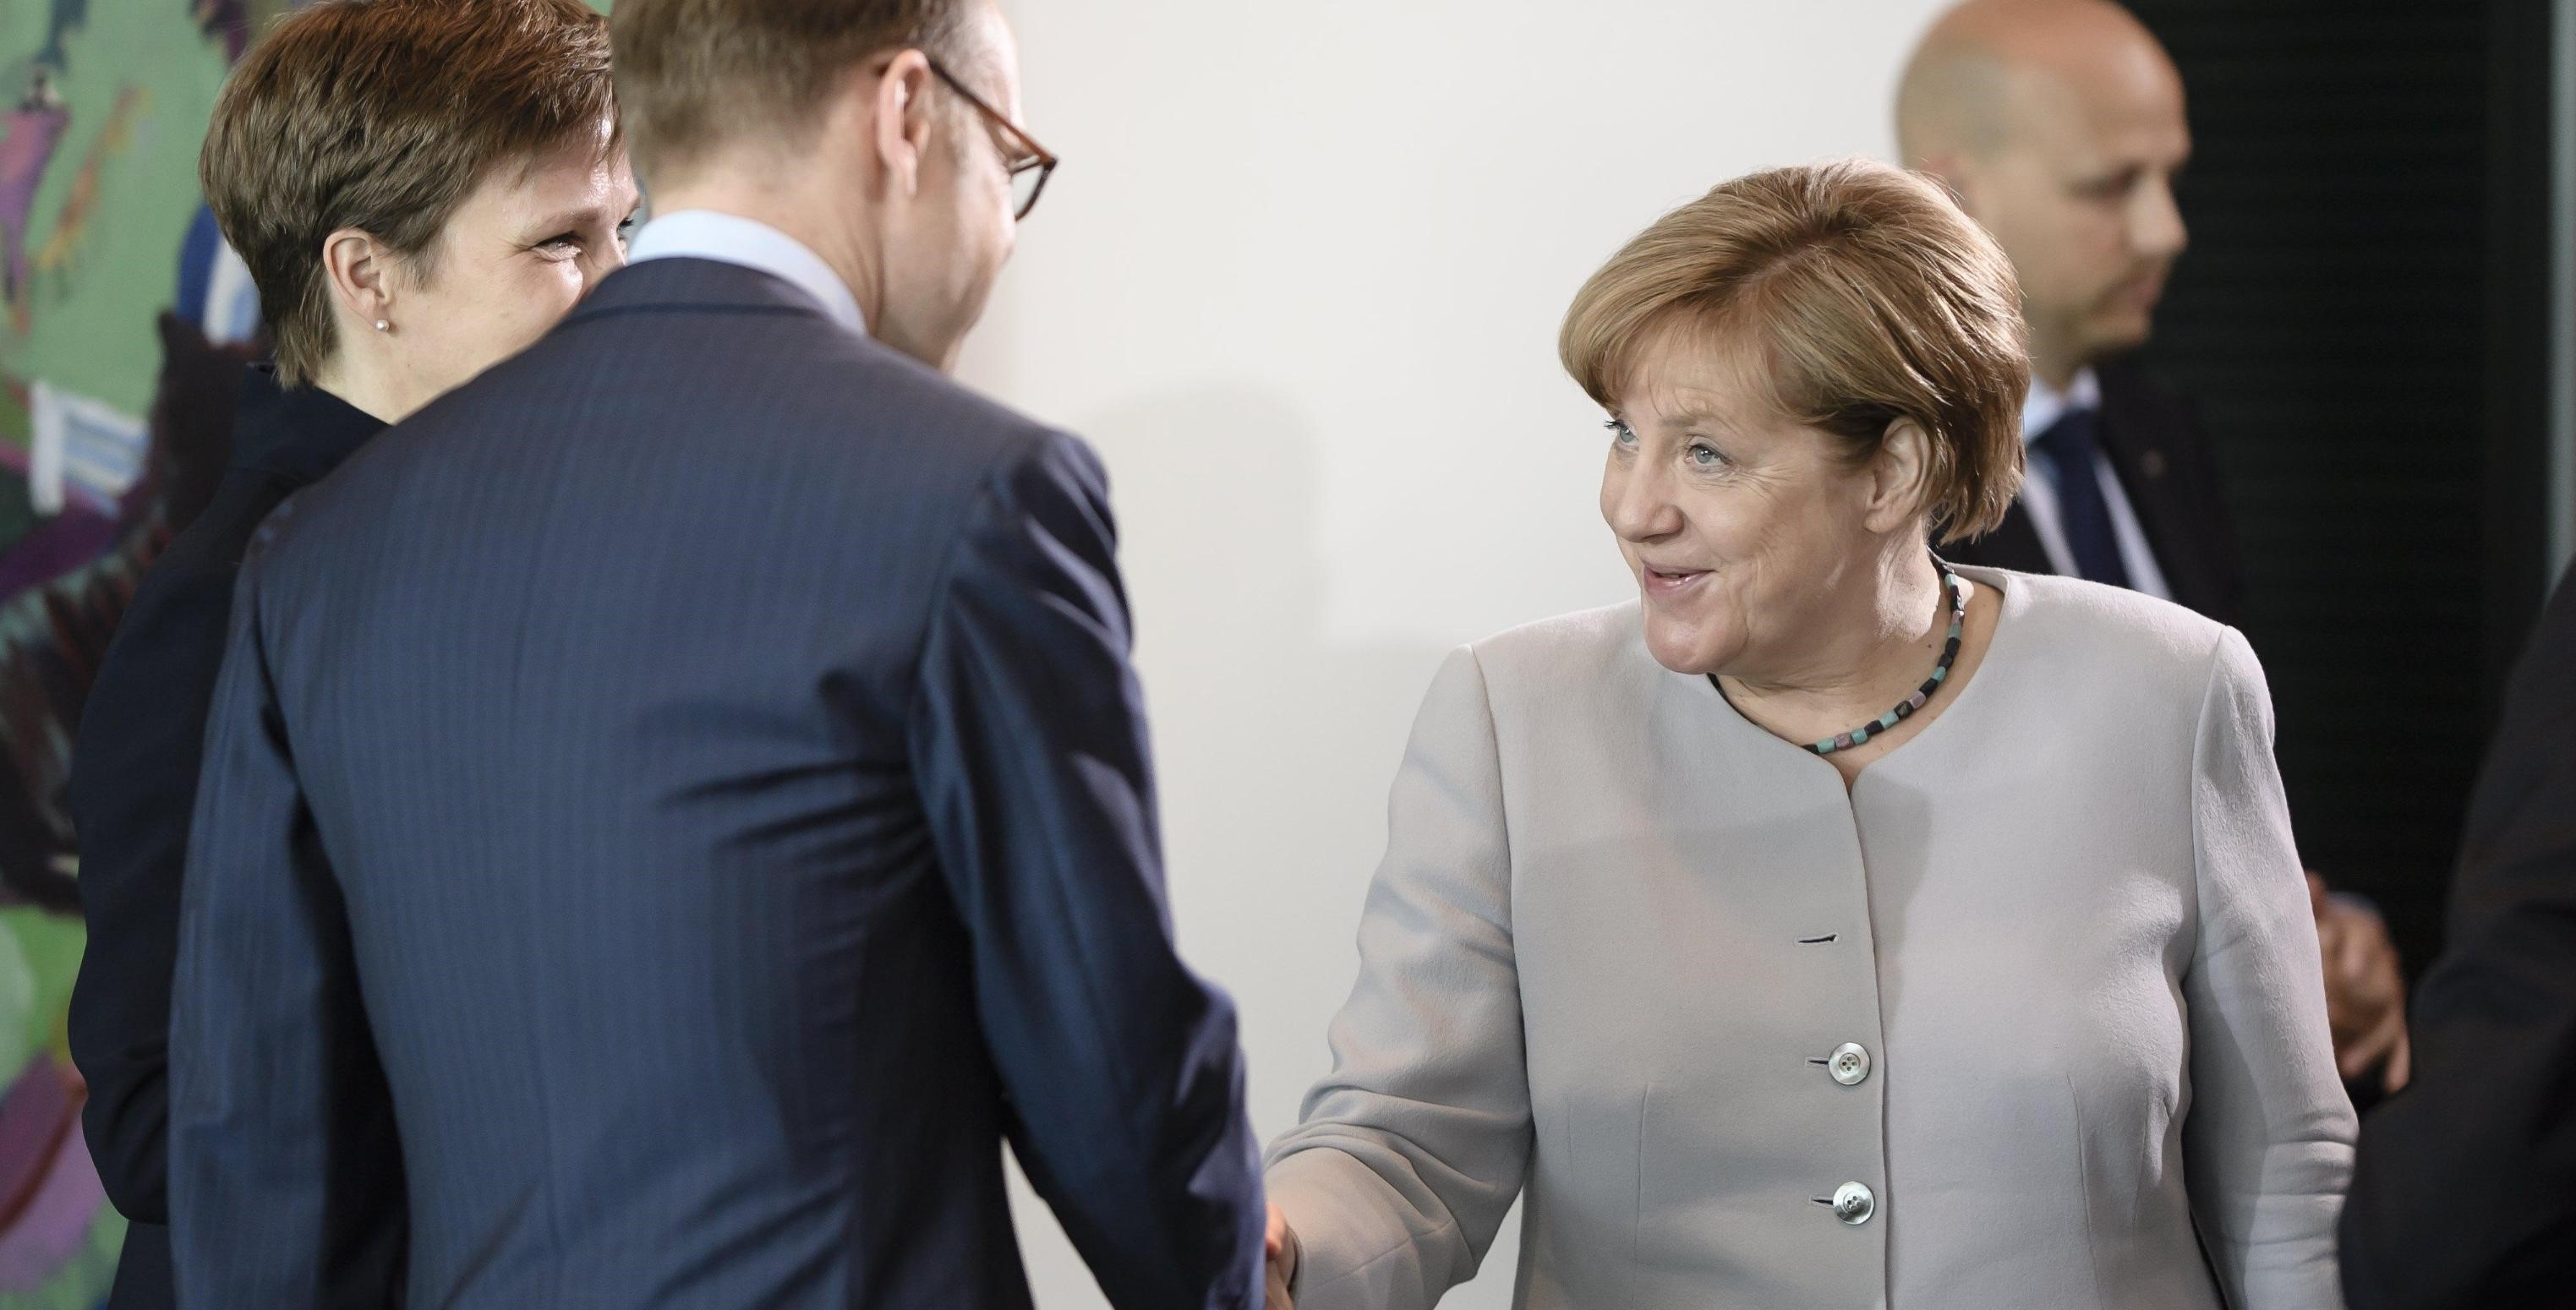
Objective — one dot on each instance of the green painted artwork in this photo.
(102, 234)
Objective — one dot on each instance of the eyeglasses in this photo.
(1030, 166)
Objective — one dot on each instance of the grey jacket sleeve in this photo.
(2268, 1139)
(1411, 1151)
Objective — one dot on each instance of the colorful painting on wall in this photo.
(120, 316)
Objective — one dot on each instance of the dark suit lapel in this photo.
(2147, 474)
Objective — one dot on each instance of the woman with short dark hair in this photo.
(420, 189)
(1829, 926)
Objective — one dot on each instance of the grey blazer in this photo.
(1999, 1027)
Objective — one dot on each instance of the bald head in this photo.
(1988, 66)
(2059, 125)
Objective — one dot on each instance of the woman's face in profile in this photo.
(521, 250)
(1738, 522)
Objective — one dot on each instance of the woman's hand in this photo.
(1280, 1245)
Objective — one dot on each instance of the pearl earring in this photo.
(383, 326)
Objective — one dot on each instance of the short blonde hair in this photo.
(1869, 298)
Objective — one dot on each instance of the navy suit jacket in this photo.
(693, 774)
(2464, 1184)
(133, 786)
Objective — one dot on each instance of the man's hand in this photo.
(2365, 991)
(1280, 1244)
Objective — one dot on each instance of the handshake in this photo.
(1279, 1246)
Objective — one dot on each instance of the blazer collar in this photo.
(733, 239)
(300, 432)
(680, 283)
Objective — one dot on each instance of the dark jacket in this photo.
(2157, 446)
(693, 775)
(2464, 1186)
(133, 786)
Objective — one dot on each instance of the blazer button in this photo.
(1854, 1204)
(1849, 1064)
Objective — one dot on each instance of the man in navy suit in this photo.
(693, 776)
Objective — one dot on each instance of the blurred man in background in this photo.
(2059, 124)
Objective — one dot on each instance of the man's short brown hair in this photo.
(692, 74)
(384, 115)
(1867, 297)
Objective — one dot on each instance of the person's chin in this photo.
(2122, 330)
(1681, 641)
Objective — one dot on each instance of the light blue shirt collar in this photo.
(2042, 406)
(731, 239)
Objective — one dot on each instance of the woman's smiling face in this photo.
(1741, 524)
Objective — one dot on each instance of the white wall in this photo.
(1299, 280)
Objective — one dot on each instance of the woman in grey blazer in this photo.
(1760, 992)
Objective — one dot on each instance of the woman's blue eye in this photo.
(1620, 433)
(1706, 457)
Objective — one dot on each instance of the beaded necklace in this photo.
(1905, 709)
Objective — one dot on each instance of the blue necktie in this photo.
(2081, 510)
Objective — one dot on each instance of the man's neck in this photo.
(2056, 371)
(801, 217)
(2056, 356)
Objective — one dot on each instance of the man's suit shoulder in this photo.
(882, 394)
(864, 383)
(792, 366)
(790, 395)
(859, 388)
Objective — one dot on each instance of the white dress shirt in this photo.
(731, 239)
(2039, 494)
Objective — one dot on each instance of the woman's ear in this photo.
(358, 271)
(1899, 476)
